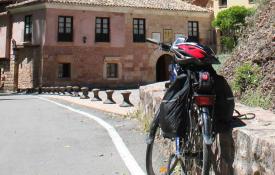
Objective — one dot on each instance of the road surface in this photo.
(38, 137)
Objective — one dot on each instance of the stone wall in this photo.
(247, 150)
(28, 64)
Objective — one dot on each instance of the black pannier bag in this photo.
(224, 104)
(173, 111)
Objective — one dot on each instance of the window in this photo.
(65, 28)
(222, 2)
(156, 36)
(28, 28)
(139, 30)
(178, 35)
(167, 35)
(64, 70)
(251, 1)
(112, 70)
(102, 30)
(193, 31)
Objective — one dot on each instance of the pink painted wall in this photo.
(84, 25)
(3, 35)
(38, 22)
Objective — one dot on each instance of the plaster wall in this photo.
(38, 25)
(217, 8)
(3, 36)
(137, 61)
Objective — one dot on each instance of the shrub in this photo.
(228, 42)
(232, 18)
(230, 22)
(257, 98)
(246, 76)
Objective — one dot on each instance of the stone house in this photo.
(93, 43)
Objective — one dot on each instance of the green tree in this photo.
(230, 21)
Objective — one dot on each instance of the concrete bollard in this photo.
(109, 99)
(96, 96)
(75, 91)
(47, 90)
(42, 90)
(85, 93)
(36, 90)
(56, 90)
(69, 90)
(126, 99)
(62, 90)
(52, 90)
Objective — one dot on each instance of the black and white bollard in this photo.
(126, 99)
(56, 90)
(75, 91)
(69, 90)
(109, 99)
(62, 90)
(96, 96)
(85, 93)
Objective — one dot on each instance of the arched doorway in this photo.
(162, 67)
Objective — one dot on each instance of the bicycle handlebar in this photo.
(179, 58)
(153, 41)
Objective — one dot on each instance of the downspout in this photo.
(42, 50)
(9, 36)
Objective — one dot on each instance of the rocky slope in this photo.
(255, 46)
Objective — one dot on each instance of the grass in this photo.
(144, 119)
(255, 98)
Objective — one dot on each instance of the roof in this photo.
(178, 5)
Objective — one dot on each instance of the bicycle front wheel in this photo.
(160, 156)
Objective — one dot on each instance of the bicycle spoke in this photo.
(173, 166)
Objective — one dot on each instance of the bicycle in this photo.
(189, 152)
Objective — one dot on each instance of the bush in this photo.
(228, 42)
(256, 98)
(231, 18)
(246, 76)
(230, 22)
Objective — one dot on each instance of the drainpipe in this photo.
(9, 36)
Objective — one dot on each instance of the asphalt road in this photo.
(38, 137)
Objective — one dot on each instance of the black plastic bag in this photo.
(173, 112)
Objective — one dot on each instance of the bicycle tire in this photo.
(202, 165)
(206, 159)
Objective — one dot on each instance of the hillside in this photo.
(255, 47)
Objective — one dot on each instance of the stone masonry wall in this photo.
(247, 150)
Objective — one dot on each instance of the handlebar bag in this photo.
(173, 111)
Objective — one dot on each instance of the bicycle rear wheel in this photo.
(160, 156)
(200, 161)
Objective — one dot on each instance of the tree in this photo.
(230, 21)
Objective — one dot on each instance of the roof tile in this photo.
(152, 4)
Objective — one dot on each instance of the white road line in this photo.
(122, 149)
